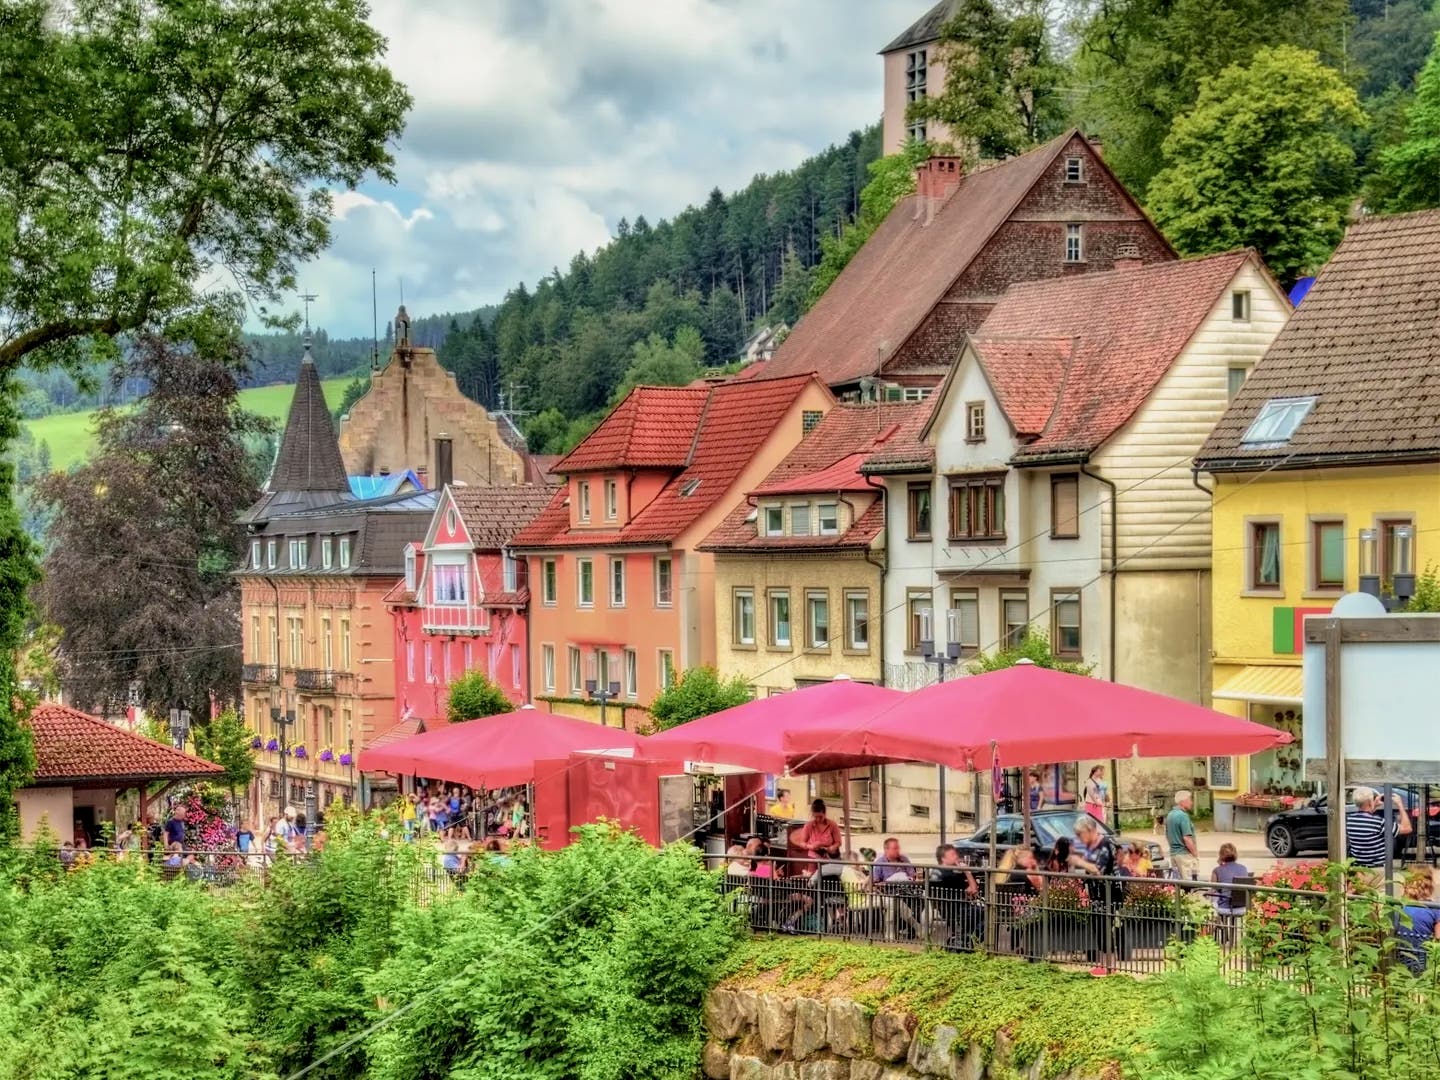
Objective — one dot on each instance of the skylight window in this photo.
(688, 488)
(1278, 420)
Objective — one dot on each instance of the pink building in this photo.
(462, 604)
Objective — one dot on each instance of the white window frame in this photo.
(445, 572)
(1074, 242)
(1277, 421)
(327, 553)
(410, 661)
(344, 553)
(577, 670)
(582, 497)
(852, 622)
(666, 659)
(830, 511)
(509, 572)
(612, 500)
(767, 522)
(410, 564)
(272, 554)
(581, 566)
(632, 674)
(737, 623)
(665, 597)
(814, 597)
(1074, 170)
(975, 421)
(960, 597)
(1240, 305)
(549, 582)
(613, 579)
(515, 665)
(773, 623)
(257, 554)
(547, 666)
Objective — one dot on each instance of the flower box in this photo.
(327, 754)
(273, 745)
(347, 759)
(300, 754)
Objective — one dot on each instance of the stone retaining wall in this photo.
(758, 1036)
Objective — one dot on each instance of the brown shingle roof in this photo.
(74, 748)
(1364, 343)
(826, 461)
(903, 270)
(924, 29)
(309, 456)
(493, 515)
(652, 427)
(1071, 359)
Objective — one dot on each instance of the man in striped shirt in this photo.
(1365, 838)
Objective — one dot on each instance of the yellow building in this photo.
(1326, 471)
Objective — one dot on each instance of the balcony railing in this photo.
(315, 680)
(456, 619)
(259, 674)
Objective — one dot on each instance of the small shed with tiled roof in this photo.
(83, 763)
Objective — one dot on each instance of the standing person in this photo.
(1100, 861)
(820, 837)
(1180, 833)
(1096, 793)
(1035, 793)
(175, 828)
(244, 838)
(407, 815)
(1365, 839)
(784, 806)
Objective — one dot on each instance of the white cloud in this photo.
(538, 124)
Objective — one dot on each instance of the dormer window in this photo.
(409, 568)
(827, 516)
(255, 554)
(1278, 420)
(612, 500)
(774, 521)
(582, 496)
(272, 554)
(800, 519)
(344, 553)
(299, 554)
(327, 554)
(509, 572)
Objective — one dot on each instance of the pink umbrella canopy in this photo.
(752, 736)
(494, 751)
(1031, 714)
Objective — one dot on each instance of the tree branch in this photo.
(13, 352)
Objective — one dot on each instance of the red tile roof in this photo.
(907, 450)
(904, 270)
(827, 460)
(1072, 359)
(74, 748)
(493, 515)
(728, 430)
(652, 427)
(406, 728)
(1363, 343)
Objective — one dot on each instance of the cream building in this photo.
(1051, 489)
(914, 71)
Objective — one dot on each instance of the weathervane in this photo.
(309, 298)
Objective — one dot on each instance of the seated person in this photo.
(1226, 872)
(175, 857)
(1424, 921)
(861, 902)
(736, 864)
(892, 865)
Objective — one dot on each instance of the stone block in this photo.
(777, 1022)
(722, 1015)
(890, 1035)
(971, 1065)
(934, 1056)
(810, 1022)
(866, 1070)
(785, 1070)
(747, 1003)
(715, 1061)
(847, 1028)
(749, 1068)
(825, 1070)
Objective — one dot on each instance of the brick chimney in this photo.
(1127, 257)
(935, 181)
(444, 460)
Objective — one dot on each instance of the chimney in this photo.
(935, 181)
(422, 474)
(444, 460)
(1127, 257)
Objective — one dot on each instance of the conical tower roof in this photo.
(309, 458)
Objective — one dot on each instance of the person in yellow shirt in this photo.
(407, 815)
(783, 807)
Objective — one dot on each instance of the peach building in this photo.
(620, 593)
(913, 71)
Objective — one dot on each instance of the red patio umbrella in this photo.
(1031, 714)
(494, 751)
(752, 736)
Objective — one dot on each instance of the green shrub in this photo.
(473, 696)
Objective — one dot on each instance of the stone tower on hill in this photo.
(412, 401)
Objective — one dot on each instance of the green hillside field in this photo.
(71, 435)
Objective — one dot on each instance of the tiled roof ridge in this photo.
(1101, 278)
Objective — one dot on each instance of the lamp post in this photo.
(1402, 567)
(179, 727)
(283, 721)
(950, 656)
(595, 691)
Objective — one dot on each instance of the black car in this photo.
(1304, 830)
(1049, 826)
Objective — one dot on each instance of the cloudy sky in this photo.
(539, 124)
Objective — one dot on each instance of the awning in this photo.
(1264, 684)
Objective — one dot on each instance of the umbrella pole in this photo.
(845, 807)
(1025, 802)
(992, 930)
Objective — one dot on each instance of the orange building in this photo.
(317, 639)
(620, 594)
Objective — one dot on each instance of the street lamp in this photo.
(282, 721)
(950, 656)
(179, 727)
(1402, 569)
(596, 692)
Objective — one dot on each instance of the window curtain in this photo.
(1270, 554)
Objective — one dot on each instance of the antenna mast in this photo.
(309, 298)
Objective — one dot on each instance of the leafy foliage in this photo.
(17, 573)
(154, 514)
(473, 696)
(1002, 80)
(226, 741)
(149, 144)
(1262, 161)
(1142, 63)
(1427, 591)
(656, 362)
(355, 389)
(1035, 647)
(698, 692)
(590, 962)
(1408, 177)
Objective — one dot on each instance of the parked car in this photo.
(1049, 826)
(1304, 830)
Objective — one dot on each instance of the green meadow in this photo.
(72, 435)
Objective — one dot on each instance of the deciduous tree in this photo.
(698, 692)
(473, 696)
(1263, 160)
(1409, 173)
